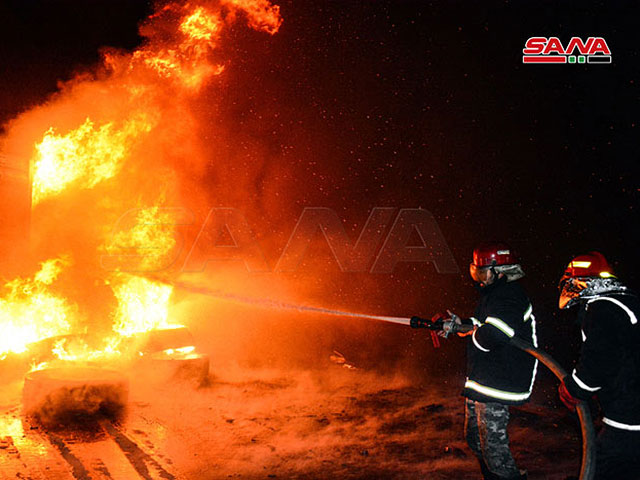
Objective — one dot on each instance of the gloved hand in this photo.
(451, 323)
(569, 400)
(446, 324)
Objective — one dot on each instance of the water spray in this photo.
(274, 304)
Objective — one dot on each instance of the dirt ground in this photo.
(259, 424)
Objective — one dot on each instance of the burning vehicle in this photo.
(71, 374)
(83, 374)
(174, 345)
(95, 176)
(74, 377)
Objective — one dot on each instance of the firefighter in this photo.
(498, 374)
(609, 362)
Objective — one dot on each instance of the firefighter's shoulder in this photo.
(511, 294)
(624, 309)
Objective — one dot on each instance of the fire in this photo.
(125, 133)
(187, 61)
(81, 351)
(143, 305)
(148, 244)
(29, 312)
(179, 351)
(200, 26)
(84, 157)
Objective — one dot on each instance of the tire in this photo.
(64, 394)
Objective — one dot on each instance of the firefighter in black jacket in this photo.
(498, 374)
(609, 363)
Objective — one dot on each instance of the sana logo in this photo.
(551, 50)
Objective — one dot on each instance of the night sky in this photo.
(409, 104)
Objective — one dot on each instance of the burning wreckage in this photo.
(90, 152)
(75, 376)
(62, 387)
(91, 319)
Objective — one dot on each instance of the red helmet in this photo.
(493, 254)
(592, 264)
(574, 281)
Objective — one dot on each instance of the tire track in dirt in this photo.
(107, 454)
(138, 458)
(78, 470)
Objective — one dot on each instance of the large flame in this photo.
(29, 312)
(84, 157)
(143, 305)
(95, 151)
(187, 61)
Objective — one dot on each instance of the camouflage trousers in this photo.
(485, 429)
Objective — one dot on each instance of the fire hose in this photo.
(587, 468)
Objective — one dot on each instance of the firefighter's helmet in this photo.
(488, 256)
(492, 254)
(582, 270)
(592, 264)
